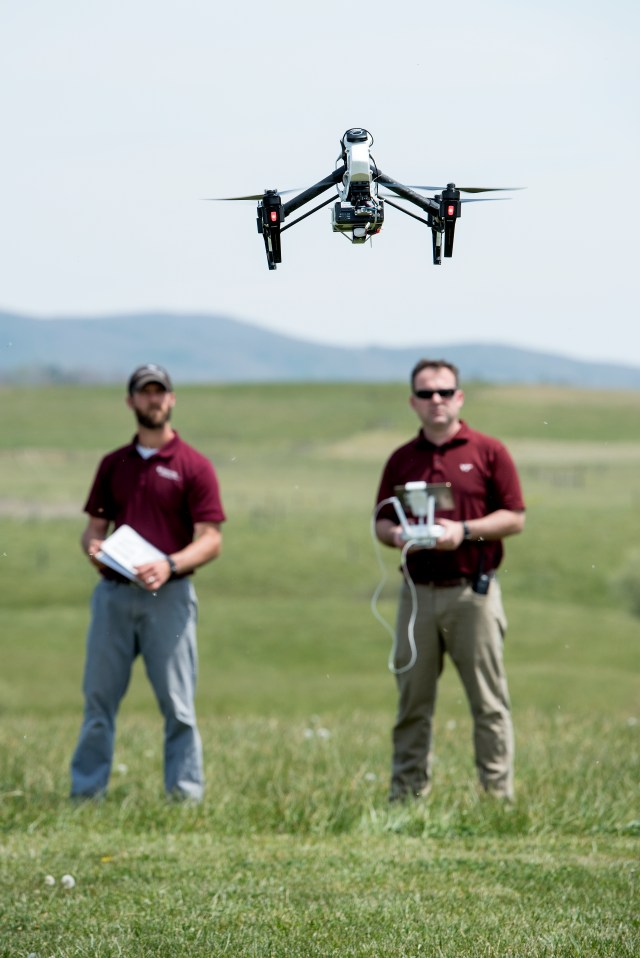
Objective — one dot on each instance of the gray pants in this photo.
(470, 628)
(161, 627)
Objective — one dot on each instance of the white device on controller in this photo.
(420, 500)
(419, 529)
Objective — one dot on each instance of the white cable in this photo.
(380, 587)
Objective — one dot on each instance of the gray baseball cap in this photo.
(149, 373)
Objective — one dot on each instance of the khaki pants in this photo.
(470, 628)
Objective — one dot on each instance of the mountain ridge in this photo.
(203, 348)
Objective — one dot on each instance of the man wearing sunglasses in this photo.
(450, 600)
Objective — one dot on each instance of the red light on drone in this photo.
(273, 215)
(451, 210)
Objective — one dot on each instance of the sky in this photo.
(119, 119)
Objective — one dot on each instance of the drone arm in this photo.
(272, 212)
(414, 216)
(436, 233)
(304, 215)
(424, 202)
(313, 191)
(443, 212)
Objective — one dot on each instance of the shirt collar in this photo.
(164, 452)
(463, 435)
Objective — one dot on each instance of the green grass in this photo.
(295, 850)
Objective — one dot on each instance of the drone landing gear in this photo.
(269, 222)
(443, 224)
(451, 208)
(436, 243)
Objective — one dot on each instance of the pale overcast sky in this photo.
(117, 119)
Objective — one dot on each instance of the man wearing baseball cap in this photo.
(150, 373)
(168, 493)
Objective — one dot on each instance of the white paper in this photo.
(125, 549)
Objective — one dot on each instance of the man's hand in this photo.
(389, 533)
(495, 525)
(452, 536)
(93, 548)
(153, 575)
(92, 538)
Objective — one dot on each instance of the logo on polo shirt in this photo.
(167, 473)
(466, 466)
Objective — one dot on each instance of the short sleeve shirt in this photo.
(483, 478)
(161, 497)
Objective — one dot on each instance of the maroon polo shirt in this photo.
(483, 478)
(161, 497)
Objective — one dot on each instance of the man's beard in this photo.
(155, 420)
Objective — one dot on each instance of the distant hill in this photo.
(209, 348)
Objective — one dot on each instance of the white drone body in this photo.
(359, 213)
(357, 161)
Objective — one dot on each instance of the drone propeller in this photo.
(487, 199)
(475, 199)
(255, 196)
(470, 189)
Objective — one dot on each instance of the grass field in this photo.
(295, 851)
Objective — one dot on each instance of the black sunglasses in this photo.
(430, 393)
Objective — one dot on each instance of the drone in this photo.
(359, 209)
